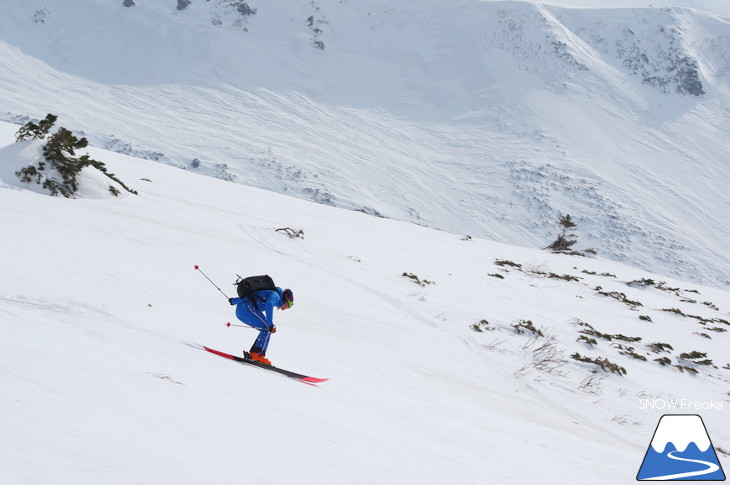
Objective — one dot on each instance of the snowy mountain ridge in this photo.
(484, 118)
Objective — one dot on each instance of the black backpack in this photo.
(247, 286)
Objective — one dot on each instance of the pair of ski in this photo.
(292, 375)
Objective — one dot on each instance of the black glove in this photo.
(272, 329)
(230, 300)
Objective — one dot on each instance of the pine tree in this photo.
(68, 167)
(60, 153)
(35, 131)
(563, 243)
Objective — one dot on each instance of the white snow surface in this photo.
(483, 118)
(102, 316)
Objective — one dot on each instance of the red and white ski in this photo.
(287, 373)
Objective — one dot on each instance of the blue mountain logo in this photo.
(681, 450)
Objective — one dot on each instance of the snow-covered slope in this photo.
(482, 118)
(102, 313)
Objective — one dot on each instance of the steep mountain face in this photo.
(482, 118)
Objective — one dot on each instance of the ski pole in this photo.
(229, 324)
(211, 282)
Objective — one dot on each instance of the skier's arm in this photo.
(271, 303)
(235, 301)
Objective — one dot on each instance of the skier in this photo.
(258, 312)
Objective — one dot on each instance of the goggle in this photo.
(288, 302)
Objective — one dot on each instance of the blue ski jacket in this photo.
(260, 314)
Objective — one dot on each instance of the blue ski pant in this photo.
(256, 319)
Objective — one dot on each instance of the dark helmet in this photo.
(288, 297)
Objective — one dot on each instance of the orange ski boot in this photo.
(260, 358)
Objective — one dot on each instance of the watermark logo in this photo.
(681, 450)
(681, 405)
